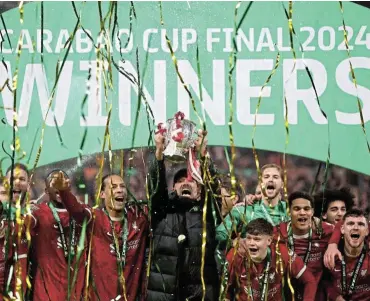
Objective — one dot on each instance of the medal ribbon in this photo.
(291, 243)
(121, 256)
(264, 284)
(347, 291)
(267, 214)
(72, 225)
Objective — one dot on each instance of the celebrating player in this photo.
(118, 239)
(259, 271)
(306, 238)
(269, 206)
(351, 275)
(54, 249)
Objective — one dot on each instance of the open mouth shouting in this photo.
(186, 191)
(119, 202)
(355, 237)
(16, 193)
(119, 199)
(253, 251)
(270, 188)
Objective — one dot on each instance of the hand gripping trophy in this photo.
(180, 136)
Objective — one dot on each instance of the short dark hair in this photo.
(300, 195)
(19, 166)
(50, 175)
(104, 178)
(355, 212)
(259, 226)
(328, 196)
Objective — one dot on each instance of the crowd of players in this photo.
(194, 241)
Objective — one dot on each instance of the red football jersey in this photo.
(238, 279)
(104, 269)
(9, 265)
(104, 281)
(318, 247)
(337, 234)
(51, 267)
(362, 285)
(3, 228)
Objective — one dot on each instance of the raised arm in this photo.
(230, 224)
(158, 190)
(332, 251)
(77, 210)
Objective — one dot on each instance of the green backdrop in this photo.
(209, 26)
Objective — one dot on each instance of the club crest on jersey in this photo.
(272, 277)
(316, 244)
(363, 273)
(112, 249)
(135, 227)
(59, 243)
(248, 291)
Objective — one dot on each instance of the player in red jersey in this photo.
(118, 233)
(332, 204)
(54, 250)
(261, 269)
(332, 251)
(14, 247)
(3, 198)
(3, 190)
(305, 237)
(351, 275)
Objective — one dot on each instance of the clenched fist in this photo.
(59, 182)
(201, 143)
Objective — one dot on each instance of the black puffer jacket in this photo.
(177, 246)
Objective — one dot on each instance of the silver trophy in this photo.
(179, 137)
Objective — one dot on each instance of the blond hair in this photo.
(272, 165)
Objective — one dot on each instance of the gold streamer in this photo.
(291, 33)
(100, 173)
(50, 101)
(288, 278)
(286, 121)
(232, 63)
(202, 124)
(101, 69)
(353, 75)
(122, 164)
(21, 12)
(204, 233)
(88, 266)
(15, 147)
(286, 125)
(277, 62)
(174, 60)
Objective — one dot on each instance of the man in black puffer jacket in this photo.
(177, 223)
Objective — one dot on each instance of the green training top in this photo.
(238, 218)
